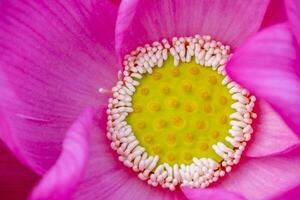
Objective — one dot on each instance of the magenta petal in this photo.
(53, 58)
(213, 194)
(292, 194)
(268, 66)
(265, 177)
(272, 135)
(293, 12)
(276, 13)
(142, 21)
(63, 177)
(16, 180)
(107, 178)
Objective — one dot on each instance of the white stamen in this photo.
(104, 91)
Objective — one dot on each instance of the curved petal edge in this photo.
(293, 12)
(143, 21)
(62, 179)
(268, 65)
(271, 134)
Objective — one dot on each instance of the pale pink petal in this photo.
(107, 178)
(272, 135)
(52, 62)
(142, 21)
(265, 177)
(276, 13)
(16, 181)
(268, 65)
(293, 12)
(63, 177)
(208, 193)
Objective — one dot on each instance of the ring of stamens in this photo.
(202, 171)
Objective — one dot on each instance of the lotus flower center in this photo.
(181, 112)
(175, 117)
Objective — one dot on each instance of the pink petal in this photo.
(276, 13)
(293, 12)
(213, 194)
(16, 180)
(272, 135)
(263, 178)
(63, 177)
(142, 21)
(269, 67)
(292, 194)
(53, 61)
(107, 178)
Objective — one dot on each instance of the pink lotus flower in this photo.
(56, 55)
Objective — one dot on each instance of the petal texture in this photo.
(16, 181)
(61, 180)
(293, 8)
(268, 65)
(207, 193)
(53, 59)
(108, 179)
(264, 178)
(142, 21)
(272, 135)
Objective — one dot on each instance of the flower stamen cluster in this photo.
(202, 171)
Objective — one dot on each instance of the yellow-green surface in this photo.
(180, 112)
